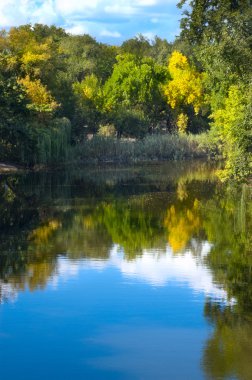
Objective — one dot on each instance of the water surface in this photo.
(125, 273)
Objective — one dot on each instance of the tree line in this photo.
(56, 89)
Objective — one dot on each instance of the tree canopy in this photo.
(200, 81)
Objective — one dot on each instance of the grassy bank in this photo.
(155, 147)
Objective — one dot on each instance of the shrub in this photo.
(107, 130)
(130, 123)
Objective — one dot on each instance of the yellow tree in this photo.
(32, 54)
(41, 100)
(185, 87)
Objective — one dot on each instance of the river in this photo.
(141, 272)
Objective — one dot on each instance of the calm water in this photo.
(125, 273)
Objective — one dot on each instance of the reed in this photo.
(153, 147)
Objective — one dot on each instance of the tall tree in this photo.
(221, 33)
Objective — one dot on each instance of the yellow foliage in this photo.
(39, 273)
(88, 222)
(41, 99)
(87, 91)
(182, 122)
(108, 130)
(31, 52)
(182, 193)
(31, 57)
(41, 234)
(20, 38)
(186, 86)
(12, 62)
(36, 52)
(89, 88)
(181, 226)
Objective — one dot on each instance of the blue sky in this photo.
(110, 21)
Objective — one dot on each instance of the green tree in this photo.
(220, 32)
(85, 56)
(160, 50)
(139, 46)
(210, 17)
(13, 110)
(136, 84)
(88, 95)
(30, 61)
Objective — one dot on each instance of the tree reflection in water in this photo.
(155, 219)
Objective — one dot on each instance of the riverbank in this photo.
(103, 150)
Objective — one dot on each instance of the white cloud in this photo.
(108, 33)
(77, 29)
(46, 14)
(13, 12)
(120, 9)
(147, 3)
(149, 35)
(119, 19)
(82, 7)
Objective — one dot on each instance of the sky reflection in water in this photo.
(126, 274)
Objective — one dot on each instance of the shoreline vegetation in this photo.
(168, 147)
(106, 150)
(144, 100)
